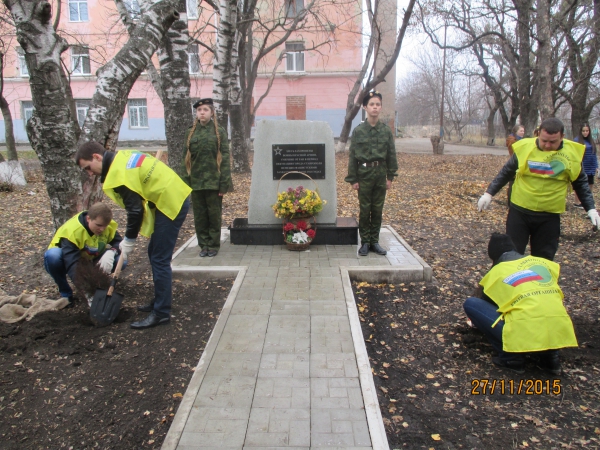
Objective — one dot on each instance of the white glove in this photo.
(484, 202)
(594, 217)
(126, 247)
(107, 261)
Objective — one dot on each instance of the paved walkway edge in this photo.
(365, 375)
(185, 407)
(427, 271)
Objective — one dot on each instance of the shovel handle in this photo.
(115, 276)
(158, 154)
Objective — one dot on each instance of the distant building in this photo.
(311, 85)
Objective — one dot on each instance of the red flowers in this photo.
(311, 233)
(288, 227)
(302, 225)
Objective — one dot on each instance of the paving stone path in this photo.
(286, 365)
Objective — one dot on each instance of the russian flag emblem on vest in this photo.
(540, 167)
(135, 160)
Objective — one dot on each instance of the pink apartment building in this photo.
(308, 85)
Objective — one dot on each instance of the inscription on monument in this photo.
(306, 158)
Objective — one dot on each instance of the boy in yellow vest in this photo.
(521, 308)
(91, 235)
(542, 169)
(156, 201)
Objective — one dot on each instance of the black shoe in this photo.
(363, 250)
(378, 249)
(204, 253)
(146, 308)
(212, 253)
(551, 363)
(151, 321)
(71, 302)
(578, 205)
(514, 365)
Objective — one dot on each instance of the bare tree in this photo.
(367, 75)
(52, 130)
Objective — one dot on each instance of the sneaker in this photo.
(204, 253)
(578, 205)
(550, 363)
(212, 253)
(514, 365)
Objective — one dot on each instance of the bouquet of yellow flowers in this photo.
(297, 202)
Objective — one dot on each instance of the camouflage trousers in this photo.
(208, 207)
(371, 197)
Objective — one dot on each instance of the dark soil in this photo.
(68, 384)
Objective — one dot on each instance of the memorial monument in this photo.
(281, 147)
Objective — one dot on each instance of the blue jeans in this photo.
(160, 252)
(483, 314)
(55, 266)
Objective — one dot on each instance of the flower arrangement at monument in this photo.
(294, 205)
(299, 202)
(300, 232)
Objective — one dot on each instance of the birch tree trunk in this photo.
(50, 130)
(222, 67)
(175, 85)
(116, 78)
(240, 144)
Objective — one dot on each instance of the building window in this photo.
(138, 114)
(294, 8)
(80, 60)
(192, 9)
(193, 58)
(82, 107)
(133, 8)
(78, 11)
(23, 70)
(27, 108)
(294, 57)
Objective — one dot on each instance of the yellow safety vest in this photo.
(153, 180)
(543, 176)
(91, 246)
(531, 303)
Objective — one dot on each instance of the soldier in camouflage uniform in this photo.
(372, 166)
(206, 163)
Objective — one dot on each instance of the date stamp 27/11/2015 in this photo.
(491, 386)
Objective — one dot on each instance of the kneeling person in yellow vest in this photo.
(156, 201)
(521, 310)
(542, 169)
(90, 235)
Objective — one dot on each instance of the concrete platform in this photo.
(286, 365)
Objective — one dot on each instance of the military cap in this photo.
(203, 101)
(369, 96)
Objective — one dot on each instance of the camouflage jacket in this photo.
(370, 144)
(203, 148)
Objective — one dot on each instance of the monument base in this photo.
(343, 232)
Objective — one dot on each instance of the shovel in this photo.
(107, 303)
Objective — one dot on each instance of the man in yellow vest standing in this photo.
(521, 308)
(90, 235)
(542, 169)
(156, 201)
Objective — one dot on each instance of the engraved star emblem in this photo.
(278, 151)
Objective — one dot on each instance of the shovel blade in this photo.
(105, 308)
